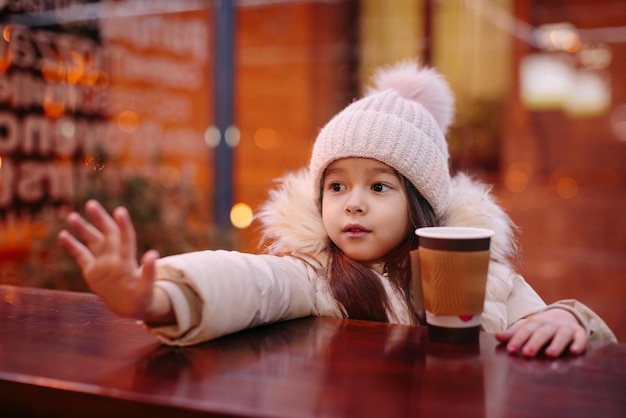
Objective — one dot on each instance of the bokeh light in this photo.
(212, 137)
(76, 71)
(128, 121)
(67, 128)
(241, 215)
(595, 56)
(265, 138)
(566, 39)
(564, 184)
(52, 72)
(517, 177)
(232, 136)
(53, 108)
(6, 33)
(567, 187)
(590, 97)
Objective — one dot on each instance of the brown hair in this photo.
(358, 288)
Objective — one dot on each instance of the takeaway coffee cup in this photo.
(452, 263)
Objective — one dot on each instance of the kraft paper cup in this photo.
(452, 264)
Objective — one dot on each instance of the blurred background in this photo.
(187, 112)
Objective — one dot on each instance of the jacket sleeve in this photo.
(523, 301)
(214, 293)
(597, 329)
(510, 298)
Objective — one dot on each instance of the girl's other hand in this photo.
(553, 331)
(106, 252)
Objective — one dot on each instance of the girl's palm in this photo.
(106, 252)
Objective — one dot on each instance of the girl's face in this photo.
(364, 208)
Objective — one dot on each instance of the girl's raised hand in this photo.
(106, 252)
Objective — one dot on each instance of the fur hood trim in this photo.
(472, 204)
(291, 222)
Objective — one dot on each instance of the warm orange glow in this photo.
(76, 71)
(95, 163)
(90, 78)
(516, 178)
(565, 39)
(265, 138)
(9, 297)
(567, 187)
(6, 33)
(128, 121)
(241, 215)
(573, 46)
(564, 184)
(52, 108)
(52, 72)
(16, 235)
(5, 62)
(39, 230)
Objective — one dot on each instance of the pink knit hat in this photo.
(402, 122)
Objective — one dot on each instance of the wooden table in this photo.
(64, 354)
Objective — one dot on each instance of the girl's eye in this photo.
(336, 187)
(380, 187)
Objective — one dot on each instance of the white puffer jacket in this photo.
(219, 292)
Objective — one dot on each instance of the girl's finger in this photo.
(148, 268)
(105, 224)
(562, 338)
(148, 273)
(541, 335)
(521, 334)
(128, 237)
(84, 257)
(85, 231)
(579, 344)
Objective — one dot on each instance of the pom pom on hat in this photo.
(425, 86)
(401, 122)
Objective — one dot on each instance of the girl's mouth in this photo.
(355, 230)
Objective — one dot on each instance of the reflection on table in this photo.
(65, 354)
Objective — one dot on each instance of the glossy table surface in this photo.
(64, 354)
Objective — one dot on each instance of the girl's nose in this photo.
(353, 209)
(355, 204)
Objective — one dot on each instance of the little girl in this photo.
(339, 238)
